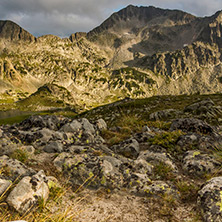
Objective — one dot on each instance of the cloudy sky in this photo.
(63, 17)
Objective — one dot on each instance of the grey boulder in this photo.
(154, 158)
(191, 125)
(210, 200)
(164, 114)
(160, 188)
(129, 148)
(74, 126)
(54, 147)
(197, 163)
(15, 168)
(87, 126)
(28, 192)
(7, 147)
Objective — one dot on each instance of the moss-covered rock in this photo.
(210, 200)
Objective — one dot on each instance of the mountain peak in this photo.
(12, 31)
(138, 16)
(131, 6)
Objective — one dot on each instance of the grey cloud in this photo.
(92, 8)
(57, 24)
(65, 17)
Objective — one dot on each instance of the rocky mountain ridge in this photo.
(137, 52)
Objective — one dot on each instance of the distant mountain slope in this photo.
(133, 17)
(137, 52)
(212, 31)
(47, 96)
(204, 52)
(143, 31)
(137, 31)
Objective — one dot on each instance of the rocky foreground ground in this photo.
(91, 172)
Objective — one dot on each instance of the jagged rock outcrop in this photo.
(8, 72)
(77, 36)
(212, 32)
(188, 60)
(203, 52)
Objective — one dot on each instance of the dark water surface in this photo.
(14, 113)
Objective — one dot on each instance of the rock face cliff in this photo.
(204, 52)
(137, 52)
(212, 31)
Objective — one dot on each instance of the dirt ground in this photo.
(98, 206)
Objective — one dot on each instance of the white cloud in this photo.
(63, 17)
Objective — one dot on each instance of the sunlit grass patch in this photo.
(167, 140)
(12, 120)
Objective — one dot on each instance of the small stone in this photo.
(75, 149)
(7, 147)
(188, 140)
(143, 137)
(46, 134)
(87, 137)
(146, 129)
(137, 181)
(142, 166)
(60, 160)
(101, 125)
